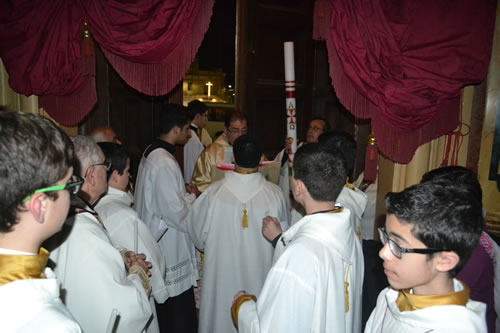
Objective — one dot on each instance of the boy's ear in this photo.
(446, 261)
(113, 179)
(37, 206)
(299, 188)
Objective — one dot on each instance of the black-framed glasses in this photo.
(73, 186)
(237, 130)
(398, 250)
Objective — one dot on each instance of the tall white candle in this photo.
(291, 120)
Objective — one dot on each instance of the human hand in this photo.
(288, 144)
(192, 188)
(131, 259)
(239, 294)
(271, 228)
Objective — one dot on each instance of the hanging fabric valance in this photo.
(403, 63)
(150, 43)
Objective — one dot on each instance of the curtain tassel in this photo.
(87, 52)
(371, 159)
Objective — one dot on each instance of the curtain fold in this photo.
(403, 63)
(150, 43)
(153, 50)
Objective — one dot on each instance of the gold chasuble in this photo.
(410, 302)
(21, 267)
(218, 152)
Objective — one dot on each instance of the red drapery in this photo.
(402, 63)
(150, 43)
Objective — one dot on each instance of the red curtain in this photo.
(150, 43)
(402, 63)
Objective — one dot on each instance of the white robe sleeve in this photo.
(120, 225)
(171, 200)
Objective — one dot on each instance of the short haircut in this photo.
(117, 154)
(34, 153)
(326, 128)
(322, 171)
(443, 215)
(196, 107)
(172, 115)
(247, 150)
(87, 153)
(343, 142)
(231, 116)
(458, 175)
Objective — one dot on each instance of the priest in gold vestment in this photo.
(221, 151)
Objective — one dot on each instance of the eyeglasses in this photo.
(316, 129)
(398, 251)
(106, 164)
(73, 186)
(237, 130)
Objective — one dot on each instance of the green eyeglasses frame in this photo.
(74, 187)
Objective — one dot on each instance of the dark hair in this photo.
(458, 175)
(172, 115)
(443, 215)
(117, 154)
(322, 171)
(231, 116)
(343, 142)
(326, 128)
(196, 107)
(34, 153)
(247, 150)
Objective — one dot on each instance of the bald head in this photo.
(104, 134)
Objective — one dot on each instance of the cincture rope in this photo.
(346, 289)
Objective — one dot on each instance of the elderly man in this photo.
(163, 202)
(225, 222)
(92, 271)
(221, 151)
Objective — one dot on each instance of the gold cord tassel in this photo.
(346, 290)
(244, 220)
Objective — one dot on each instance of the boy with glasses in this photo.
(431, 230)
(36, 181)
